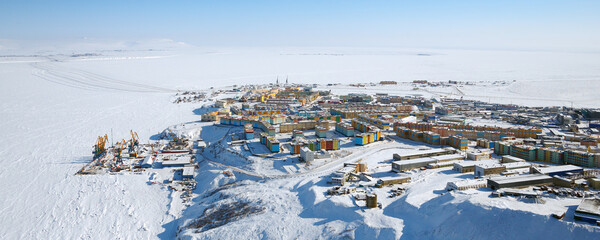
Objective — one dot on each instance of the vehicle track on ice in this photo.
(85, 80)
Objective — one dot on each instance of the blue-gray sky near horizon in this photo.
(535, 24)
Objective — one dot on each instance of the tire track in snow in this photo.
(86, 80)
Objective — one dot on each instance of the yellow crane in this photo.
(100, 146)
(135, 140)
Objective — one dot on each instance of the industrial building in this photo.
(469, 166)
(489, 169)
(466, 184)
(406, 165)
(562, 170)
(478, 154)
(188, 172)
(424, 153)
(588, 210)
(511, 159)
(519, 181)
(391, 181)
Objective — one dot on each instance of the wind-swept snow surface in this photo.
(53, 107)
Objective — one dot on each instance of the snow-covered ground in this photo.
(54, 105)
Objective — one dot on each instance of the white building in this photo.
(307, 155)
(466, 184)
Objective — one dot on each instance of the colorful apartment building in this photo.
(324, 144)
(502, 148)
(248, 131)
(549, 155)
(272, 144)
(345, 129)
(524, 152)
(431, 138)
(458, 142)
(366, 138)
(474, 132)
(581, 158)
(320, 132)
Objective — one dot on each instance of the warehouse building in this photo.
(489, 169)
(466, 184)
(406, 165)
(425, 153)
(562, 170)
(469, 166)
(478, 154)
(511, 159)
(519, 181)
(588, 210)
(391, 181)
(188, 172)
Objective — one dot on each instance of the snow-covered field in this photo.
(54, 106)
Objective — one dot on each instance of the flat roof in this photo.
(561, 168)
(473, 163)
(448, 157)
(435, 150)
(188, 171)
(176, 160)
(393, 178)
(513, 158)
(416, 160)
(513, 165)
(468, 182)
(519, 178)
(589, 206)
(489, 165)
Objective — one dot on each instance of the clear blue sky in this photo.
(464, 24)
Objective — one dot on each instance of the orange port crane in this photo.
(99, 148)
(119, 148)
(135, 140)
